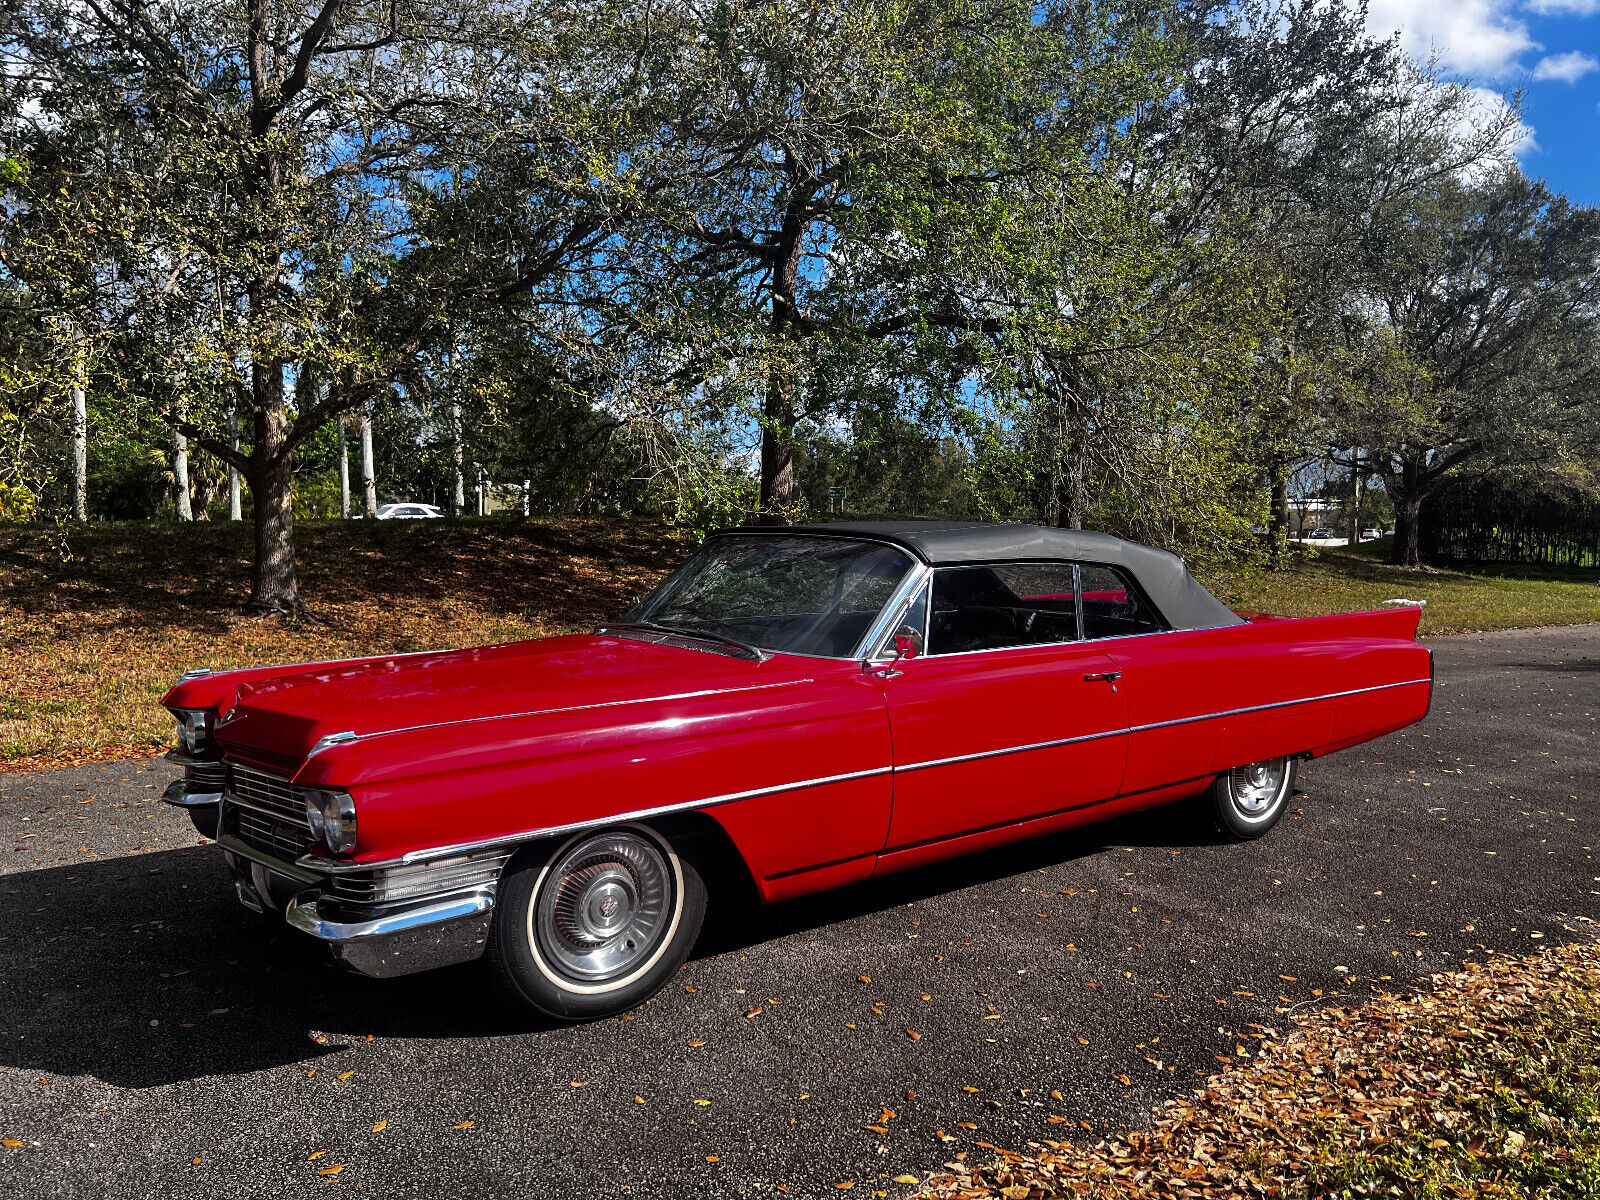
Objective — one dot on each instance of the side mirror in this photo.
(907, 642)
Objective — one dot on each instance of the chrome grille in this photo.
(422, 879)
(264, 813)
(271, 836)
(205, 777)
(265, 791)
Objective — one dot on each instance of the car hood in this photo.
(281, 719)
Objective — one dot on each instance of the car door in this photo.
(1007, 714)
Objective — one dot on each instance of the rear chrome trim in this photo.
(323, 866)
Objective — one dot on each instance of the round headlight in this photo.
(332, 817)
(194, 729)
(314, 814)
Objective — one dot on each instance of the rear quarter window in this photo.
(1113, 606)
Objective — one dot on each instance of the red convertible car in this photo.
(802, 707)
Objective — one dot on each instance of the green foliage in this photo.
(1114, 263)
(17, 503)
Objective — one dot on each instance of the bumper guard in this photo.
(437, 932)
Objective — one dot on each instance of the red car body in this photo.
(819, 771)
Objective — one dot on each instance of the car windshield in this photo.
(793, 594)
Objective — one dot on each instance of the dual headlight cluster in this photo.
(194, 729)
(332, 817)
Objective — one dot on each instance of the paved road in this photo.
(153, 1040)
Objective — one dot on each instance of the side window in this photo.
(1010, 604)
(1113, 607)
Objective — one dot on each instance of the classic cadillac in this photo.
(793, 710)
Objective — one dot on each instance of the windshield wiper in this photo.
(755, 653)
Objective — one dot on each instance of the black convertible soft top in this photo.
(1176, 593)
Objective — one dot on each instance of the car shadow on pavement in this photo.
(144, 970)
(738, 926)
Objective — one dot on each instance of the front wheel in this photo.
(1247, 801)
(594, 925)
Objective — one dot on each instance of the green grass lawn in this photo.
(95, 623)
(1460, 599)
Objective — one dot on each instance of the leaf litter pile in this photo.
(1487, 1083)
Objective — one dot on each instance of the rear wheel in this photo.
(594, 925)
(1247, 801)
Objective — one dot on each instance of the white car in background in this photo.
(407, 512)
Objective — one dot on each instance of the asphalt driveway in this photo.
(157, 1040)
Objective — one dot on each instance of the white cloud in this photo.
(1474, 37)
(1568, 68)
(1487, 108)
(1564, 8)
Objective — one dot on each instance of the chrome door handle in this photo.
(1102, 677)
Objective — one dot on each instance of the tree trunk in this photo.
(1278, 524)
(780, 485)
(80, 455)
(1407, 549)
(458, 497)
(180, 470)
(369, 482)
(235, 500)
(344, 473)
(276, 586)
(1406, 492)
(1355, 500)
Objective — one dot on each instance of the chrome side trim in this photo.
(329, 867)
(304, 915)
(194, 673)
(323, 866)
(1234, 712)
(1132, 729)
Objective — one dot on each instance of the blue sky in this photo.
(1547, 49)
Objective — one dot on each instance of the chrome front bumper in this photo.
(404, 939)
(378, 939)
(199, 792)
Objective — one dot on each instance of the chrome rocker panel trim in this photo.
(419, 937)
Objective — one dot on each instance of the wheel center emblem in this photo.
(608, 906)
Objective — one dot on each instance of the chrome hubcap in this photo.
(1256, 788)
(603, 907)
